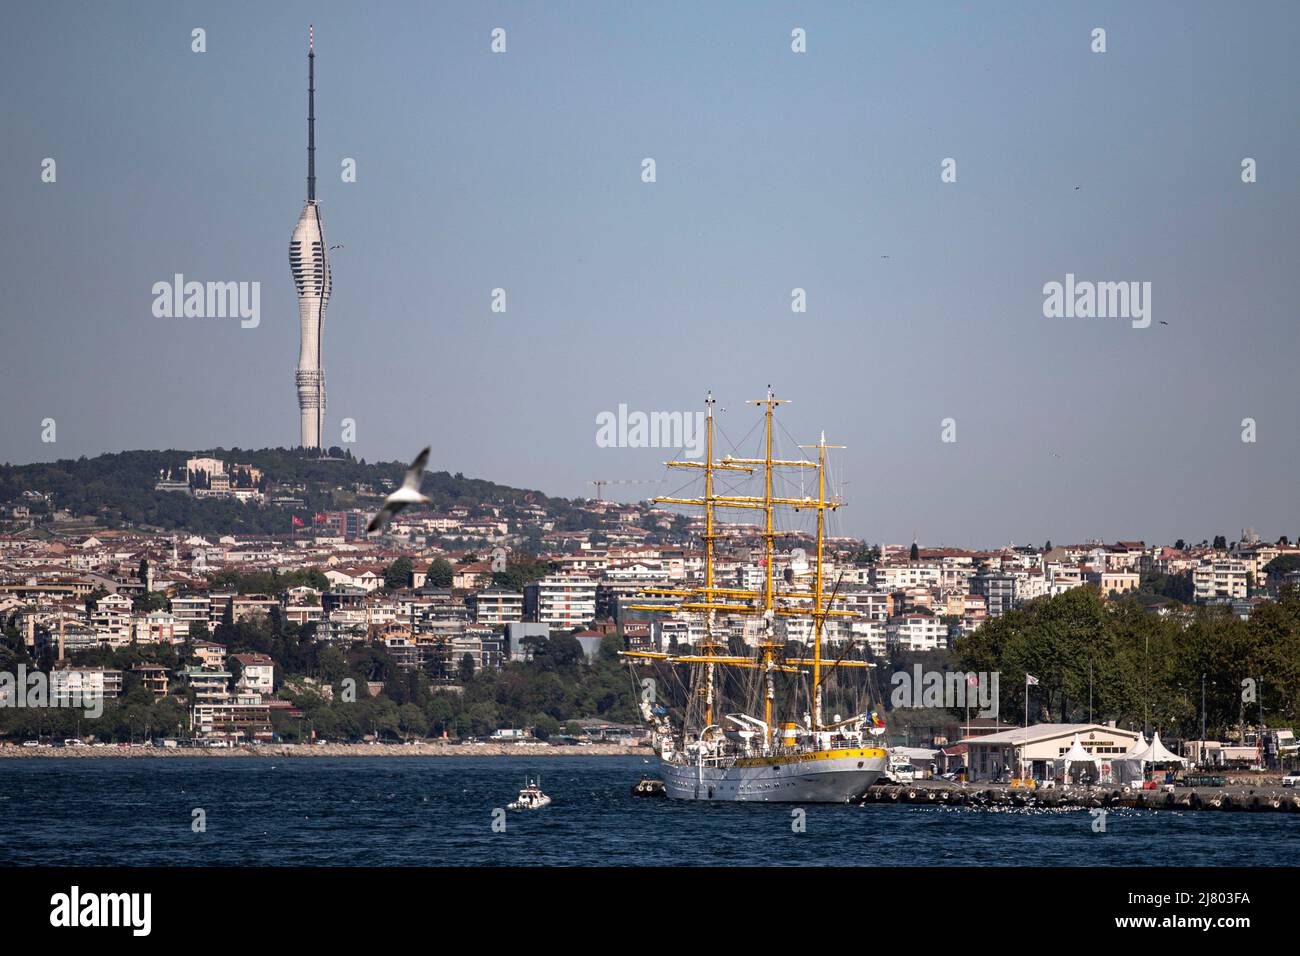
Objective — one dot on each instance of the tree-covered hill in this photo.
(118, 489)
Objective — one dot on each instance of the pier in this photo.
(1234, 797)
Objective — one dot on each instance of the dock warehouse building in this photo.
(1042, 746)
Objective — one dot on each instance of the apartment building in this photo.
(257, 673)
(156, 627)
(497, 606)
(210, 656)
(899, 577)
(1120, 582)
(1217, 580)
(561, 601)
(998, 591)
(209, 685)
(241, 716)
(189, 610)
(918, 631)
(71, 685)
(153, 677)
(112, 620)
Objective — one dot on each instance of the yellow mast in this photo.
(710, 535)
(769, 536)
(819, 614)
(708, 558)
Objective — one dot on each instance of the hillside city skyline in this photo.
(924, 286)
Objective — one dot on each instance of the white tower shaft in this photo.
(309, 262)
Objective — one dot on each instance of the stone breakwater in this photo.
(1261, 795)
(333, 750)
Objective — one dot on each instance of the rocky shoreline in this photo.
(429, 749)
(1258, 793)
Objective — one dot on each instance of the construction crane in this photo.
(602, 482)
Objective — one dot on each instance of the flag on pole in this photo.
(1031, 680)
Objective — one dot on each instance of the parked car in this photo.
(1292, 779)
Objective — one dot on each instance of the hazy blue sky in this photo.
(775, 171)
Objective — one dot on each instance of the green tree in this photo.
(545, 727)
(440, 573)
(147, 601)
(398, 574)
(412, 721)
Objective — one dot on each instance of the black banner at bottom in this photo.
(332, 905)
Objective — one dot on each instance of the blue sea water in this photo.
(439, 811)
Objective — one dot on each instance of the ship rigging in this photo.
(744, 756)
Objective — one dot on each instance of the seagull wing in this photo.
(385, 514)
(416, 471)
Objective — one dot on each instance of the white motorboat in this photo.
(531, 796)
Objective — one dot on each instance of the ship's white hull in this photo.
(837, 777)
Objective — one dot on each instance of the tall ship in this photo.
(761, 647)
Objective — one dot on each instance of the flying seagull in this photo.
(1163, 322)
(408, 494)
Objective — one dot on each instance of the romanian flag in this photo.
(876, 721)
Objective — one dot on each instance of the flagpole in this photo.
(1026, 728)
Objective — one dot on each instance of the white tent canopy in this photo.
(1141, 745)
(1156, 753)
(1076, 755)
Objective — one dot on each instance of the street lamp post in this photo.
(1146, 685)
(1202, 712)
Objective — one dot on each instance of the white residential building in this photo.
(917, 632)
(561, 601)
(1220, 579)
(112, 620)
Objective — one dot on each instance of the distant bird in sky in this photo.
(1076, 188)
(884, 257)
(1055, 455)
(408, 494)
(1163, 322)
(339, 246)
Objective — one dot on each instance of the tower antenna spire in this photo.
(311, 113)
